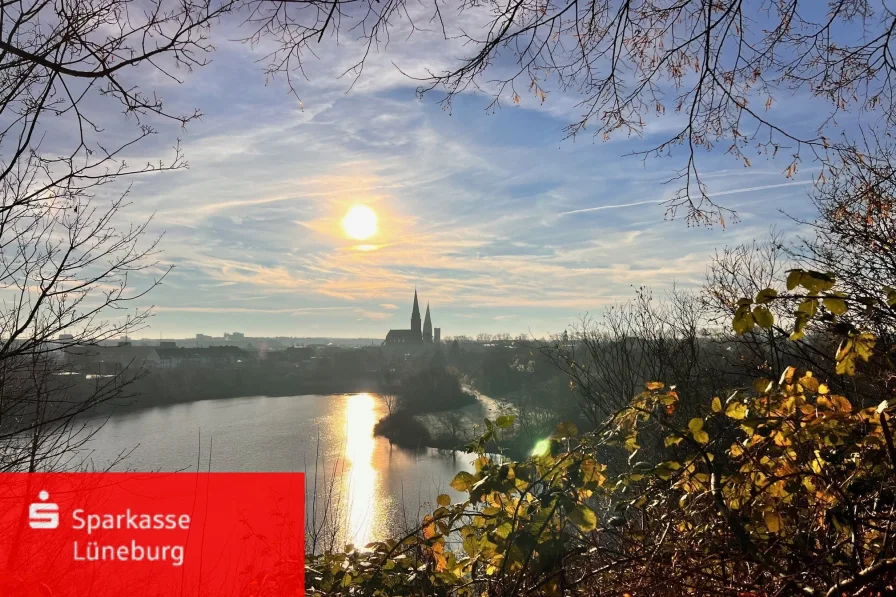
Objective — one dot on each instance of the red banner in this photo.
(152, 534)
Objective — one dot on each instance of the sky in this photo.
(499, 222)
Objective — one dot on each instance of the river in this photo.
(359, 488)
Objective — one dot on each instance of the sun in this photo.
(360, 222)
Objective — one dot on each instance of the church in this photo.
(416, 335)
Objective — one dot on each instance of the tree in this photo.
(67, 263)
(609, 359)
(793, 301)
(715, 69)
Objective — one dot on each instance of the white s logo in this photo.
(43, 515)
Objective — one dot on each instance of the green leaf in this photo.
(793, 278)
(763, 317)
(766, 295)
(505, 421)
(583, 518)
(463, 481)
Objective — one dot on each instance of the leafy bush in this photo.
(786, 490)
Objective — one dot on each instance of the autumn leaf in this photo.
(835, 305)
(463, 481)
(763, 317)
(736, 410)
(766, 295)
(583, 518)
(696, 427)
(504, 421)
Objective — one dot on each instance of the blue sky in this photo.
(502, 225)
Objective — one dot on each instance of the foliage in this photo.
(814, 296)
(787, 489)
(431, 389)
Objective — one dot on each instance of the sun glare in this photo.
(360, 222)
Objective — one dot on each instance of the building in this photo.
(418, 334)
(427, 326)
(111, 360)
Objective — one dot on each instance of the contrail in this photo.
(578, 211)
(731, 192)
(762, 188)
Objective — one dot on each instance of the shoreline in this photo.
(143, 401)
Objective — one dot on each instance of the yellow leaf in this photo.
(823, 389)
(837, 306)
(696, 427)
(583, 518)
(761, 385)
(772, 521)
(655, 385)
(865, 345)
(766, 295)
(809, 382)
(716, 405)
(787, 376)
(763, 317)
(463, 481)
(841, 403)
(736, 410)
(443, 500)
(743, 321)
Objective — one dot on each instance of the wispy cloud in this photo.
(476, 213)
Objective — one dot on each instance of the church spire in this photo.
(427, 326)
(415, 315)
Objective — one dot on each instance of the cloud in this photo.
(494, 219)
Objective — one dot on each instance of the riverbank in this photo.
(155, 390)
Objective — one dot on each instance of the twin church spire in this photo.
(426, 332)
(420, 332)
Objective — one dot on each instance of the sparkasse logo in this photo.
(43, 514)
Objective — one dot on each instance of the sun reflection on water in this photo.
(359, 444)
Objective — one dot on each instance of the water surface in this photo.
(362, 489)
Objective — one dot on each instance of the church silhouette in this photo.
(415, 335)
